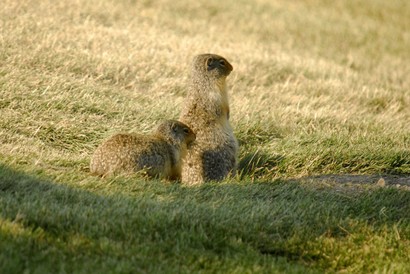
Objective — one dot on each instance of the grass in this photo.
(126, 226)
(319, 102)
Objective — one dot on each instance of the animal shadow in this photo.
(259, 164)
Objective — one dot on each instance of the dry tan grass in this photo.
(75, 72)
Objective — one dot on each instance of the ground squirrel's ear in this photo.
(174, 128)
(210, 63)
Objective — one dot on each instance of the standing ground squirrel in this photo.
(213, 155)
(160, 153)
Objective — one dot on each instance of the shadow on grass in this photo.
(52, 227)
(156, 224)
(258, 164)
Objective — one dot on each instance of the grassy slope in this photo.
(317, 88)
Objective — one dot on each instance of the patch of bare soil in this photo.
(397, 181)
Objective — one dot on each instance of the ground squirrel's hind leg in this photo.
(218, 164)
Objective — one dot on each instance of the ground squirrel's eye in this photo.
(222, 62)
(186, 130)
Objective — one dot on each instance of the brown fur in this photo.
(159, 154)
(213, 156)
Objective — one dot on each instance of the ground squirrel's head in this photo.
(212, 65)
(176, 132)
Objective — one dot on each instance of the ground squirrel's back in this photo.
(213, 156)
(159, 154)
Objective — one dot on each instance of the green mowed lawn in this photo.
(131, 226)
(319, 99)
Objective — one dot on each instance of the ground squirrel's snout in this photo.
(190, 136)
(225, 64)
(190, 142)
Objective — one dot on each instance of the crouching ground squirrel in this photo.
(213, 156)
(159, 154)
